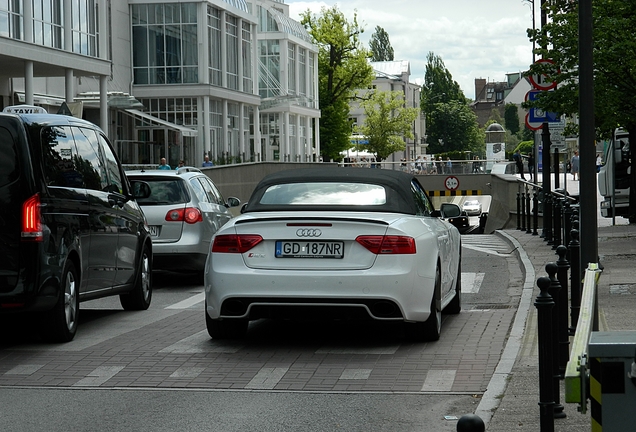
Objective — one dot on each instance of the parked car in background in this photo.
(335, 243)
(472, 207)
(71, 228)
(184, 210)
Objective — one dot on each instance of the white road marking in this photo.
(25, 369)
(99, 376)
(471, 282)
(267, 378)
(189, 302)
(201, 343)
(439, 380)
(355, 374)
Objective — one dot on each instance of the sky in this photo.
(474, 38)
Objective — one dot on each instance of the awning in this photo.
(185, 131)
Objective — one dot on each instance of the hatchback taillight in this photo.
(32, 219)
(189, 215)
(381, 245)
(232, 243)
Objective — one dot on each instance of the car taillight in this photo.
(232, 243)
(190, 215)
(381, 245)
(31, 219)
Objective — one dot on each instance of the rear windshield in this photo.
(326, 193)
(165, 191)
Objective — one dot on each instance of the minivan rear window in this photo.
(9, 167)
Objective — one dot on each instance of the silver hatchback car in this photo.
(184, 210)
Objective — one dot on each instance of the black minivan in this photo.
(70, 227)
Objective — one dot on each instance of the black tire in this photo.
(60, 323)
(431, 329)
(226, 328)
(140, 296)
(455, 306)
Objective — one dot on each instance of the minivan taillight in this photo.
(232, 243)
(32, 219)
(190, 215)
(387, 245)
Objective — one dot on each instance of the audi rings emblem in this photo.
(308, 233)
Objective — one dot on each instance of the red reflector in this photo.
(31, 219)
(11, 305)
(381, 245)
(232, 243)
(189, 215)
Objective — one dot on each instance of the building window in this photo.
(232, 49)
(180, 111)
(84, 29)
(47, 23)
(248, 81)
(165, 43)
(291, 69)
(11, 19)
(302, 71)
(269, 68)
(214, 46)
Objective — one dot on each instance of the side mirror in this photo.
(140, 189)
(243, 207)
(450, 210)
(233, 202)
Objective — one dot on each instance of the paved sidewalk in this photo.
(511, 401)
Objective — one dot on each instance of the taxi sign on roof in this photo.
(24, 109)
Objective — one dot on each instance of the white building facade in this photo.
(176, 79)
(395, 76)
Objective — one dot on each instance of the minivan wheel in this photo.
(140, 296)
(60, 323)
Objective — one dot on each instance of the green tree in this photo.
(381, 49)
(387, 121)
(342, 68)
(511, 118)
(455, 128)
(614, 62)
(450, 123)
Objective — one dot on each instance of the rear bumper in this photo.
(385, 293)
(178, 261)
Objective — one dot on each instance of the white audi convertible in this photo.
(335, 243)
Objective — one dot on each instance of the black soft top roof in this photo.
(396, 183)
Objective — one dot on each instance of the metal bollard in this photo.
(535, 212)
(562, 324)
(557, 222)
(523, 211)
(544, 304)
(575, 279)
(547, 217)
(567, 226)
(470, 423)
(518, 210)
(554, 288)
(529, 230)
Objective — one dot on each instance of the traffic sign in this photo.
(541, 81)
(451, 183)
(537, 115)
(533, 125)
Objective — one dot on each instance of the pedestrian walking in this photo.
(531, 167)
(574, 165)
(519, 162)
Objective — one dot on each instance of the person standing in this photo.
(519, 162)
(449, 166)
(599, 162)
(574, 165)
(163, 165)
(207, 162)
(531, 166)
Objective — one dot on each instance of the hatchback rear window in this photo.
(164, 192)
(326, 193)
